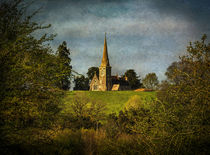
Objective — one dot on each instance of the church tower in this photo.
(105, 83)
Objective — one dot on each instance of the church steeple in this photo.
(105, 59)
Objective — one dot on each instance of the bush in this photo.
(186, 100)
(83, 113)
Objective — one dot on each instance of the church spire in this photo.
(105, 59)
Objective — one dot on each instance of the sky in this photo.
(144, 35)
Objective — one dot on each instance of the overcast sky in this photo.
(144, 35)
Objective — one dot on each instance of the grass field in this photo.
(115, 100)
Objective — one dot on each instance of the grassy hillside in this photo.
(115, 100)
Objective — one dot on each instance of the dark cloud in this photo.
(196, 11)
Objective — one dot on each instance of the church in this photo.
(105, 81)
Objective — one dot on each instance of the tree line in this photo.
(150, 81)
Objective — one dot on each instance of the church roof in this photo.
(95, 76)
(105, 59)
(119, 80)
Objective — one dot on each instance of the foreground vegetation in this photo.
(38, 117)
(143, 126)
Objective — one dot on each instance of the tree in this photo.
(64, 60)
(91, 72)
(28, 73)
(171, 75)
(150, 81)
(190, 74)
(84, 112)
(133, 79)
(81, 83)
(186, 98)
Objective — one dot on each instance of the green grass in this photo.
(115, 100)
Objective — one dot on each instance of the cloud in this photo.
(128, 27)
(144, 35)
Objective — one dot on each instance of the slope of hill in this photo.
(115, 100)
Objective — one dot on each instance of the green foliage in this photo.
(63, 54)
(91, 72)
(186, 98)
(81, 83)
(136, 118)
(171, 72)
(28, 73)
(83, 112)
(150, 81)
(193, 83)
(133, 79)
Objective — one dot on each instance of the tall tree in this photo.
(65, 67)
(150, 81)
(91, 72)
(81, 83)
(133, 79)
(28, 95)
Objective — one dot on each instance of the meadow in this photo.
(114, 100)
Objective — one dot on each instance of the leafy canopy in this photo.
(150, 81)
(133, 79)
(81, 83)
(185, 96)
(28, 70)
